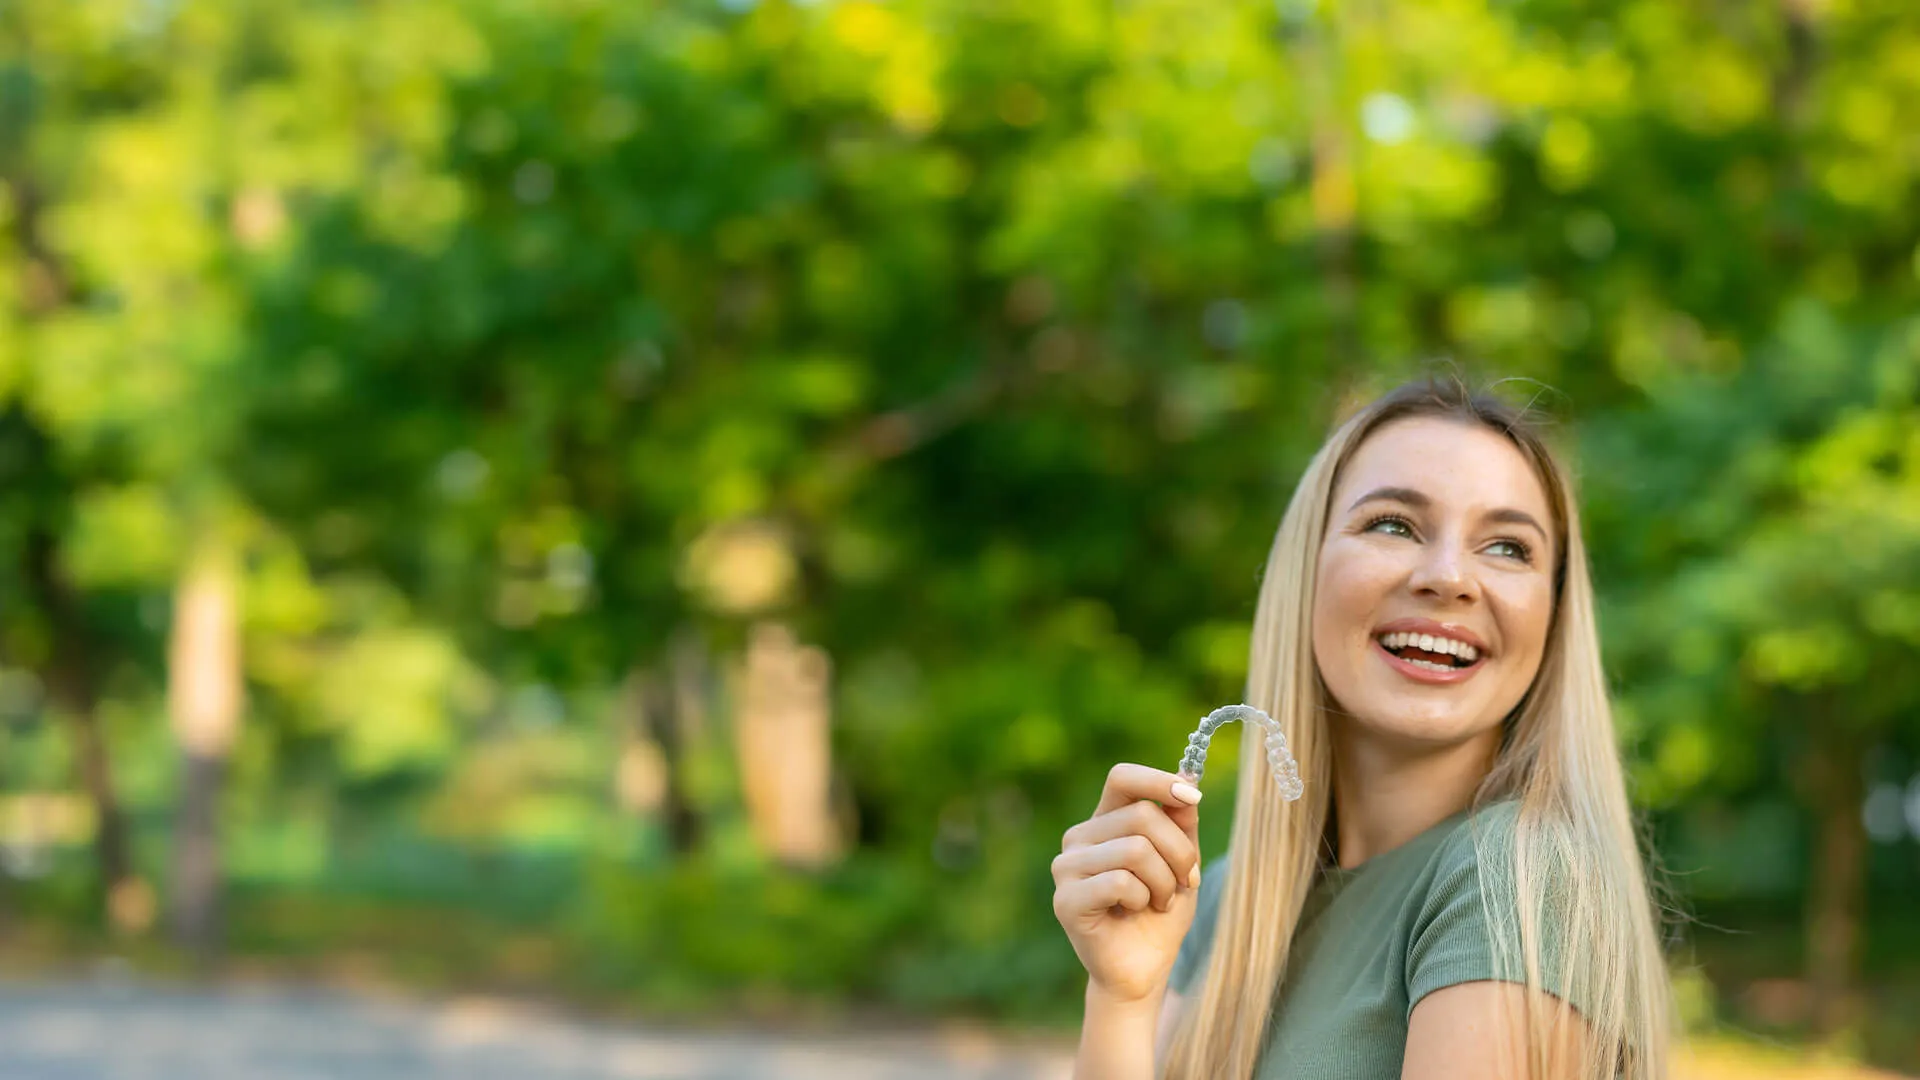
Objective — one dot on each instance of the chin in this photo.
(1422, 723)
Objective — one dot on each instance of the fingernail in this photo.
(1193, 877)
(1186, 793)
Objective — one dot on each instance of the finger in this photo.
(1128, 782)
(1177, 846)
(1133, 852)
(1187, 820)
(1110, 889)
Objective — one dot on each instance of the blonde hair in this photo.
(1574, 835)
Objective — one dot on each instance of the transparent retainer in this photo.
(1286, 771)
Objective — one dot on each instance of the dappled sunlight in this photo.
(671, 510)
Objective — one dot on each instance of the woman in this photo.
(1459, 893)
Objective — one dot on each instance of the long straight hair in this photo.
(1574, 835)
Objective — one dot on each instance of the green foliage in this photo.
(983, 343)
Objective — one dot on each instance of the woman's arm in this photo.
(1117, 1038)
(1169, 1016)
(1467, 1031)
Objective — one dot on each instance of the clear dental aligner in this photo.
(1286, 771)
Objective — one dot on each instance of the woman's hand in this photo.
(1126, 879)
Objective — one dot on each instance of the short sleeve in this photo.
(1194, 947)
(1452, 940)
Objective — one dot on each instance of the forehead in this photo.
(1460, 466)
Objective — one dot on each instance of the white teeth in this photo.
(1431, 666)
(1429, 643)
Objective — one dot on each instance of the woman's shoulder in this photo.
(1497, 865)
(1494, 838)
(1495, 862)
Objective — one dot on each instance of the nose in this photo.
(1443, 574)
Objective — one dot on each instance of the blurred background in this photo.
(668, 509)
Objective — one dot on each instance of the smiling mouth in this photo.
(1430, 661)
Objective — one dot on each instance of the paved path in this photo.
(118, 1030)
(113, 1029)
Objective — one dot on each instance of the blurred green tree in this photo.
(525, 357)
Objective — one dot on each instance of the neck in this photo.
(1386, 792)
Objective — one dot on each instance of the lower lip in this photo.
(1424, 675)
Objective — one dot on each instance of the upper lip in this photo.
(1437, 629)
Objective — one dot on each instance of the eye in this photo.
(1522, 552)
(1395, 518)
(1525, 553)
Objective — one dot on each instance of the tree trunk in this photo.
(203, 670)
(70, 687)
(1836, 901)
(196, 855)
(126, 898)
(668, 709)
(781, 737)
(655, 732)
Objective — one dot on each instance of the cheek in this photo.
(1354, 582)
(1528, 612)
(1349, 591)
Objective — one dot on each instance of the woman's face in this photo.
(1437, 527)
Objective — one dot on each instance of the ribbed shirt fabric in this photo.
(1372, 941)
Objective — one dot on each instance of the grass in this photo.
(1732, 1057)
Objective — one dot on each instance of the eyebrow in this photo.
(1419, 501)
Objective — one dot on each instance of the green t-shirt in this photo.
(1372, 941)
